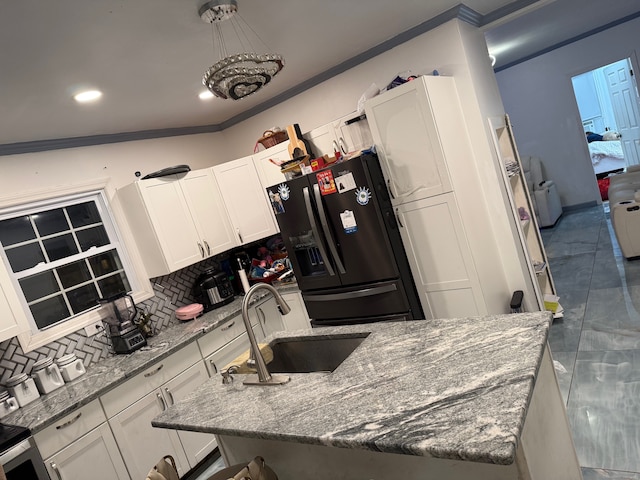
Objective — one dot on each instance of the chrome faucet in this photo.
(263, 377)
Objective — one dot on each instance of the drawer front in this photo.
(69, 428)
(137, 387)
(222, 335)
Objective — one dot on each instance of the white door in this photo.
(196, 445)
(172, 221)
(208, 211)
(245, 199)
(624, 100)
(406, 137)
(141, 444)
(440, 258)
(94, 456)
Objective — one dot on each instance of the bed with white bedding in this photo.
(606, 156)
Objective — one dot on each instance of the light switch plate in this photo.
(94, 328)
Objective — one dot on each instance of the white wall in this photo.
(538, 96)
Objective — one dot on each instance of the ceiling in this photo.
(148, 56)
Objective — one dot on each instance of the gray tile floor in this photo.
(596, 345)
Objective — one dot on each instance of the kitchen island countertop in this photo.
(451, 388)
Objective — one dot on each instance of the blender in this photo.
(119, 320)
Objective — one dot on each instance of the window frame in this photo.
(91, 320)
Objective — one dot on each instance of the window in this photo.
(63, 256)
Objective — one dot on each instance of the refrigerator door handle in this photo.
(365, 292)
(314, 229)
(325, 228)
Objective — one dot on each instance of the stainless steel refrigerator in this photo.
(343, 241)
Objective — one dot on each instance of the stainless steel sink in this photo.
(312, 354)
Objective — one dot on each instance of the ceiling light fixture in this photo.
(87, 96)
(240, 74)
(206, 95)
(493, 59)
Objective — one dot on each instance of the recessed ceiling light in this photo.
(87, 96)
(206, 95)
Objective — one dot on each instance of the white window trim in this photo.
(142, 289)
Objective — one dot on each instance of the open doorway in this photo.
(607, 99)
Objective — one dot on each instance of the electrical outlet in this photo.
(93, 328)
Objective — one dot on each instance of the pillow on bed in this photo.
(611, 136)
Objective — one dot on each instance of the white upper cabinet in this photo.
(12, 317)
(177, 220)
(269, 173)
(323, 140)
(208, 211)
(246, 200)
(353, 133)
(408, 143)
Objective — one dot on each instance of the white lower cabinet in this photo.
(81, 445)
(298, 318)
(267, 315)
(132, 406)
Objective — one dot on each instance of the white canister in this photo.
(71, 367)
(47, 375)
(23, 389)
(8, 404)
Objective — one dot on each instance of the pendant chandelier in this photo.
(236, 75)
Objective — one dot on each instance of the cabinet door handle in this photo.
(201, 249)
(214, 366)
(206, 244)
(170, 395)
(239, 235)
(261, 315)
(399, 218)
(343, 145)
(151, 374)
(162, 402)
(389, 188)
(227, 327)
(66, 424)
(54, 467)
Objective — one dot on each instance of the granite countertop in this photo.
(449, 388)
(111, 372)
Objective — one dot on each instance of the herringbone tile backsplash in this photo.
(171, 291)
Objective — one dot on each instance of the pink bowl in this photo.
(189, 312)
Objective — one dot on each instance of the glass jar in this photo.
(71, 367)
(8, 404)
(23, 389)
(47, 375)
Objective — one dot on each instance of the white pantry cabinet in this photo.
(246, 200)
(132, 406)
(408, 140)
(177, 220)
(81, 445)
(440, 185)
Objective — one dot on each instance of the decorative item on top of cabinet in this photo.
(534, 256)
(177, 220)
(246, 200)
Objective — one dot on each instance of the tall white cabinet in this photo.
(421, 137)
